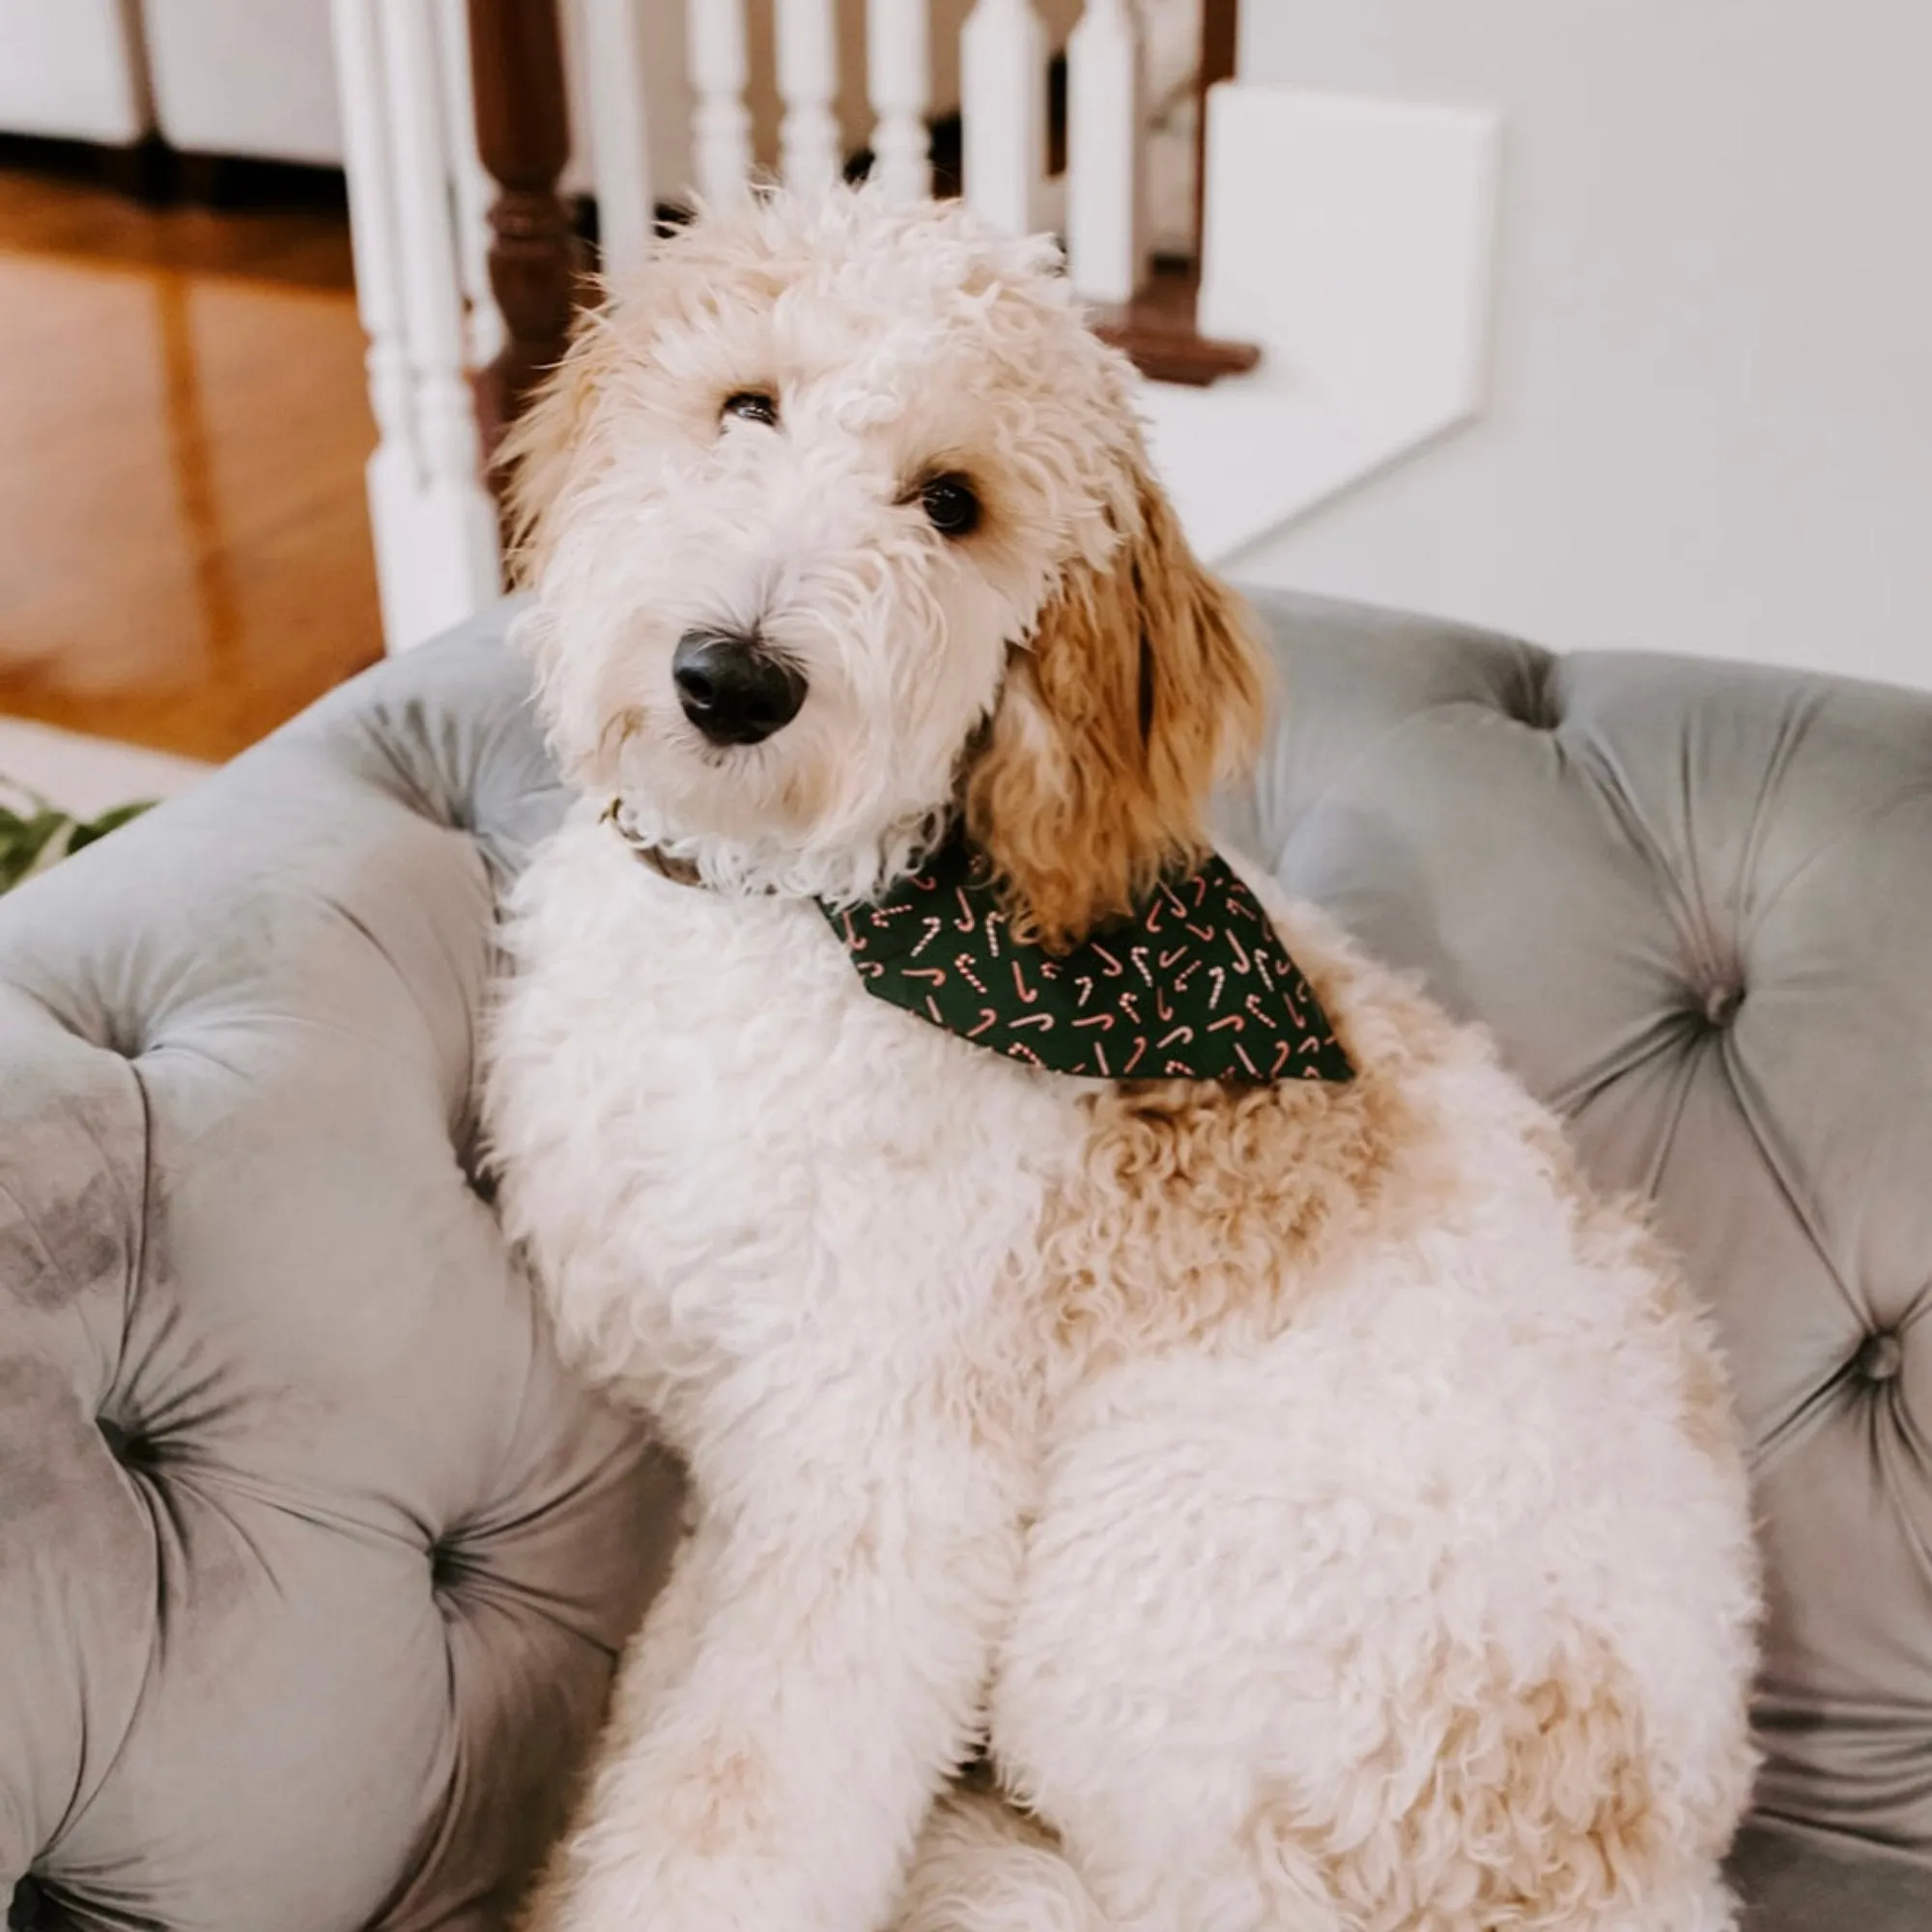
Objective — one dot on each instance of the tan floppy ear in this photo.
(1140, 686)
(538, 451)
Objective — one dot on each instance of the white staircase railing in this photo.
(1106, 142)
(434, 522)
(1349, 241)
(721, 123)
(898, 68)
(419, 197)
(808, 73)
(1002, 104)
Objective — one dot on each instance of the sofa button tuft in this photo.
(445, 1566)
(1881, 1358)
(1721, 1003)
(128, 1448)
(1531, 702)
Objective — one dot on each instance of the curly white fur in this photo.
(1326, 1515)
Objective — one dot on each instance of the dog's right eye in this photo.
(752, 406)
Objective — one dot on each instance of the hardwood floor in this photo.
(184, 551)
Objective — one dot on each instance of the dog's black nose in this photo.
(732, 688)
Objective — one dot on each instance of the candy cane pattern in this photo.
(1174, 991)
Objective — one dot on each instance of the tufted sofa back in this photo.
(1694, 903)
(311, 1559)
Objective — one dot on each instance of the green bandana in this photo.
(1195, 986)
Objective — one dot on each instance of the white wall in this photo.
(71, 68)
(245, 78)
(1710, 421)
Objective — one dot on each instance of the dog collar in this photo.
(1193, 985)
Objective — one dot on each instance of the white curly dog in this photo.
(1170, 1505)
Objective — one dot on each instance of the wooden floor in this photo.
(184, 553)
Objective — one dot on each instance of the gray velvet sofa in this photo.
(312, 1560)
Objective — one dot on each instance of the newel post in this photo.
(523, 135)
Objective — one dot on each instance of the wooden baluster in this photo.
(1220, 21)
(619, 134)
(1106, 154)
(523, 133)
(898, 61)
(807, 67)
(1003, 109)
(435, 527)
(720, 124)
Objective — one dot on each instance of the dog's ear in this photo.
(1140, 686)
(539, 450)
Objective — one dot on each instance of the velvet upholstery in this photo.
(313, 1561)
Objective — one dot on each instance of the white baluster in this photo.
(898, 61)
(720, 124)
(1002, 103)
(358, 66)
(470, 186)
(1106, 154)
(435, 525)
(620, 135)
(432, 289)
(808, 65)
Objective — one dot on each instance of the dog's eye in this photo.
(752, 406)
(951, 507)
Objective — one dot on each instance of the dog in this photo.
(1308, 1506)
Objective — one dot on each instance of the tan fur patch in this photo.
(1141, 685)
(724, 1802)
(1197, 1205)
(1502, 1803)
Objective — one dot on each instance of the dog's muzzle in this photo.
(733, 689)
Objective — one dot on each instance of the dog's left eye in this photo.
(752, 406)
(951, 506)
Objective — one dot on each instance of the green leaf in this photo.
(108, 822)
(34, 842)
